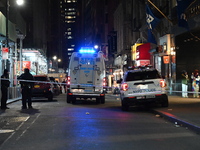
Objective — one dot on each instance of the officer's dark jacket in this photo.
(5, 83)
(26, 76)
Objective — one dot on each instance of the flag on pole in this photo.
(151, 38)
(152, 21)
(182, 5)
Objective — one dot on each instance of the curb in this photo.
(177, 122)
(9, 101)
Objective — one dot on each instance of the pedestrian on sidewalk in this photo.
(26, 88)
(184, 81)
(64, 86)
(5, 83)
(195, 83)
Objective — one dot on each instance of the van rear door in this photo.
(86, 74)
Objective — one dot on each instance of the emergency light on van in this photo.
(87, 50)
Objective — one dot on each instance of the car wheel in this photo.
(97, 100)
(68, 98)
(50, 97)
(124, 107)
(102, 100)
(73, 100)
(165, 102)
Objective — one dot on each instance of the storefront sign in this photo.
(133, 50)
(5, 51)
(142, 62)
(26, 64)
(143, 52)
(166, 59)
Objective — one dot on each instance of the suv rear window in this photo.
(40, 78)
(142, 75)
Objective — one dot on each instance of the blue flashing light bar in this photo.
(87, 50)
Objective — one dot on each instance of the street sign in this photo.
(5, 51)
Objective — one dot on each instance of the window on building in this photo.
(71, 13)
(70, 17)
(71, 9)
(70, 21)
(70, 49)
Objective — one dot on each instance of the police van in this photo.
(86, 76)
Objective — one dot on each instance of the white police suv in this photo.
(142, 86)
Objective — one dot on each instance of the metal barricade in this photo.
(13, 93)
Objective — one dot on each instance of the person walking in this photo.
(26, 88)
(5, 83)
(64, 86)
(184, 81)
(195, 83)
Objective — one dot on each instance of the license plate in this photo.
(36, 86)
(140, 97)
(150, 96)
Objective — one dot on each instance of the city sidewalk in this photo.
(182, 112)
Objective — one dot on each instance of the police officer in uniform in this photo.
(26, 88)
(5, 83)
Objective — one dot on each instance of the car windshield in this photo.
(143, 75)
(40, 78)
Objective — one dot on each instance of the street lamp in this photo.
(55, 63)
(54, 57)
(20, 2)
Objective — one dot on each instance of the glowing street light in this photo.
(96, 46)
(20, 2)
(54, 57)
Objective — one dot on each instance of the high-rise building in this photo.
(68, 12)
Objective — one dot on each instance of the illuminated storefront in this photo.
(34, 60)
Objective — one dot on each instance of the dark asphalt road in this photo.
(181, 111)
(59, 125)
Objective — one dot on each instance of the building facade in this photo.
(126, 25)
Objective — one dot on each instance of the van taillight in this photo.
(68, 81)
(124, 87)
(162, 83)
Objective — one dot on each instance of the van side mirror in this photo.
(76, 68)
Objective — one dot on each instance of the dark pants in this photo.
(26, 96)
(4, 96)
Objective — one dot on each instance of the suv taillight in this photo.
(162, 83)
(68, 81)
(124, 87)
